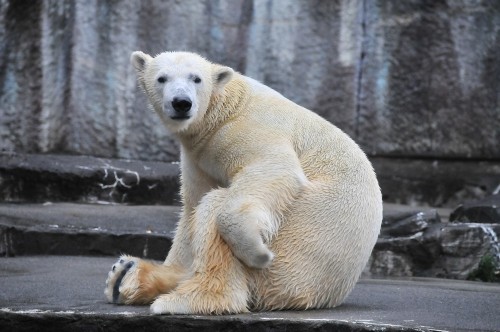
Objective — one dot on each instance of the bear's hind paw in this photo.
(183, 304)
(170, 304)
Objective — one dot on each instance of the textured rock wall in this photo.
(430, 78)
(413, 78)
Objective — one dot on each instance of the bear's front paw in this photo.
(116, 287)
(137, 281)
(261, 259)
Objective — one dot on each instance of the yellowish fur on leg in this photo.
(220, 289)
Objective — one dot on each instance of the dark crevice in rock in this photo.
(359, 78)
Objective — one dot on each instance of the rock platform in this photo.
(61, 293)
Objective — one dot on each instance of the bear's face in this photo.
(179, 85)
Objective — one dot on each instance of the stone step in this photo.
(65, 293)
(84, 179)
(413, 242)
(85, 229)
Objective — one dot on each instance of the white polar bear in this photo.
(281, 209)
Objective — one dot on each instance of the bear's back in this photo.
(316, 141)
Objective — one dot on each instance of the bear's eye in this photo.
(197, 80)
(161, 79)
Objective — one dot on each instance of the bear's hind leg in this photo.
(136, 281)
(218, 284)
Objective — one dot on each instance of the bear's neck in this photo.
(222, 108)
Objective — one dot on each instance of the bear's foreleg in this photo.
(218, 282)
(239, 223)
(259, 195)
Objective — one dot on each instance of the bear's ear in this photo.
(221, 75)
(140, 60)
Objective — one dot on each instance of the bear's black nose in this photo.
(181, 105)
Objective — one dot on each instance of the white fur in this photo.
(280, 208)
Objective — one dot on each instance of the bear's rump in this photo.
(321, 249)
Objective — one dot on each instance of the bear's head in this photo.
(179, 85)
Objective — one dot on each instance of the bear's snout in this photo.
(182, 105)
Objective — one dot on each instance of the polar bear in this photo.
(281, 209)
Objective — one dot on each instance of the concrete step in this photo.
(84, 229)
(61, 178)
(62, 293)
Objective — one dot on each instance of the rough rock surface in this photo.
(417, 243)
(486, 210)
(430, 78)
(438, 183)
(407, 78)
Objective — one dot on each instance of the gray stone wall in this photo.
(403, 78)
